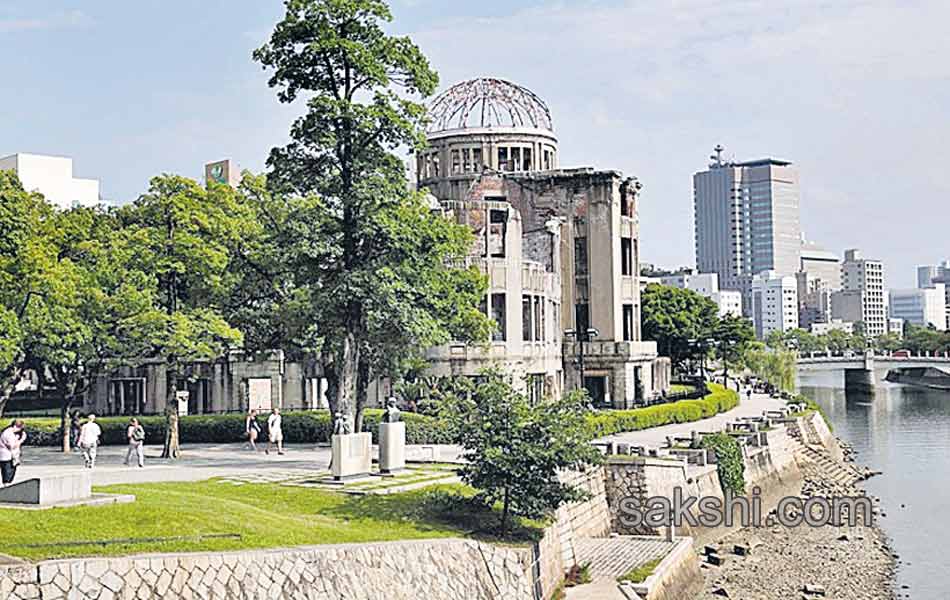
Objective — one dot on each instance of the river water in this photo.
(904, 432)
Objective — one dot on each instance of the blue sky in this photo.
(853, 91)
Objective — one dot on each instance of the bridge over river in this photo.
(864, 371)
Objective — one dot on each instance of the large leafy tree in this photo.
(514, 449)
(27, 254)
(369, 262)
(681, 321)
(182, 236)
(732, 334)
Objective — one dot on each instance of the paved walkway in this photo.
(656, 437)
(202, 461)
(609, 558)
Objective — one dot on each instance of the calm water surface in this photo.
(904, 432)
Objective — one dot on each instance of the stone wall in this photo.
(556, 552)
(771, 468)
(433, 569)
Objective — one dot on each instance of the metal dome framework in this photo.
(487, 102)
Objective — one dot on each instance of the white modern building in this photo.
(707, 284)
(774, 303)
(924, 307)
(862, 298)
(834, 325)
(52, 176)
(746, 220)
(929, 275)
(895, 326)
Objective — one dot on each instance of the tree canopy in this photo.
(367, 260)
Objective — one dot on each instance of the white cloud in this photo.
(73, 19)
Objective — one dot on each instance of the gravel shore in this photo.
(834, 562)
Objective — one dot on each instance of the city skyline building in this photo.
(729, 302)
(923, 307)
(746, 221)
(774, 303)
(52, 176)
(929, 275)
(862, 298)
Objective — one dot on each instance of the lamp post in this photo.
(584, 336)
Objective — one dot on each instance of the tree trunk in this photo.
(7, 387)
(362, 385)
(348, 374)
(504, 513)
(172, 447)
(64, 422)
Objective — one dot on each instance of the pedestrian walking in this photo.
(135, 433)
(11, 439)
(252, 429)
(89, 435)
(275, 435)
(748, 394)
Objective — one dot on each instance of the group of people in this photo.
(88, 436)
(275, 434)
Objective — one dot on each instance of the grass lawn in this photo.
(681, 388)
(264, 515)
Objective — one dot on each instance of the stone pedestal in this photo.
(392, 447)
(352, 455)
(49, 490)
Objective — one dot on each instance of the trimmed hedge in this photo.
(310, 427)
(314, 427)
(610, 422)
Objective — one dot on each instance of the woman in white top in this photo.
(275, 435)
(11, 439)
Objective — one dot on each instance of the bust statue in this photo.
(340, 425)
(392, 414)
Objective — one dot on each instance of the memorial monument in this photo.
(352, 452)
(392, 440)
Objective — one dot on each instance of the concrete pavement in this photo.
(200, 461)
(656, 436)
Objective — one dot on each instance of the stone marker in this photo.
(352, 455)
(49, 490)
(715, 560)
(392, 447)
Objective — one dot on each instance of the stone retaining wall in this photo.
(771, 468)
(432, 569)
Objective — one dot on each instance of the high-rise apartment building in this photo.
(746, 221)
(774, 303)
(862, 298)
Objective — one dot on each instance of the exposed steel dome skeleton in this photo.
(488, 102)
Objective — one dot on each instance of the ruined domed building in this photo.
(559, 247)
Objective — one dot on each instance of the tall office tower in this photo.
(931, 275)
(862, 298)
(746, 221)
(52, 176)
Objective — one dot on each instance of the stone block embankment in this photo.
(432, 569)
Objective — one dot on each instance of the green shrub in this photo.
(610, 422)
(315, 427)
(729, 462)
(306, 427)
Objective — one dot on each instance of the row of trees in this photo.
(329, 257)
(688, 328)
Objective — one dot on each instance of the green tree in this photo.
(26, 255)
(774, 366)
(514, 449)
(181, 236)
(681, 321)
(370, 263)
(732, 334)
